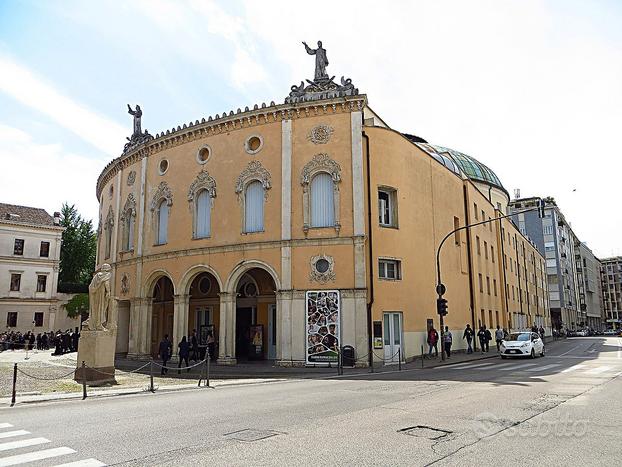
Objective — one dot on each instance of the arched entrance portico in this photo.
(204, 312)
(162, 313)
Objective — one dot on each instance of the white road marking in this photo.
(6, 425)
(23, 443)
(573, 368)
(574, 348)
(502, 365)
(469, 366)
(10, 434)
(545, 367)
(35, 456)
(83, 463)
(597, 371)
(516, 367)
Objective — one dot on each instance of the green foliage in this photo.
(78, 305)
(77, 251)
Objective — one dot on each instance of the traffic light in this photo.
(441, 306)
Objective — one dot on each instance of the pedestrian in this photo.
(481, 335)
(211, 346)
(498, 337)
(165, 353)
(541, 332)
(468, 335)
(488, 338)
(184, 353)
(432, 341)
(447, 338)
(195, 345)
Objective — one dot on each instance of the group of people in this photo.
(187, 349)
(484, 337)
(62, 342)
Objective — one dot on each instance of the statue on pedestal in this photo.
(99, 300)
(321, 61)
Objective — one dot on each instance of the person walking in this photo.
(447, 338)
(432, 341)
(184, 353)
(488, 338)
(499, 337)
(481, 335)
(165, 353)
(194, 345)
(541, 332)
(211, 347)
(468, 335)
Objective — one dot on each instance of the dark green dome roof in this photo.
(472, 168)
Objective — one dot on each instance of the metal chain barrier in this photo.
(40, 378)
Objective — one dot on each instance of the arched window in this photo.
(203, 214)
(129, 228)
(253, 207)
(128, 221)
(322, 202)
(162, 237)
(108, 232)
(108, 240)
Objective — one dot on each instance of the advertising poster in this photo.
(255, 351)
(323, 326)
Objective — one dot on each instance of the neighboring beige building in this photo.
(611, 287)
(314, 220)
(30, 241)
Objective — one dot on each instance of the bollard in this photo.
(83, 380)
(339, 362)
(207, 359)
(399, 359)
(151, 388)
(421, 356)
(372, 363)
(14, 384)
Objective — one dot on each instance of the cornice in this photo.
(54, 228)
(259, 115)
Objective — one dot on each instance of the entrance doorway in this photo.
(161, 313)
(204, 315)
(255, 316)
(392, 337)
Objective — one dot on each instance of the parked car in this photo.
(610, 332)
(522, 344)
(581, 333)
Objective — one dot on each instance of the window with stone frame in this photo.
(41, 282)
(44, 250)
(387, 207)
(38, 319)
(16, 280)
(201, 196)
(320, 179)
(18, 247)
(390, 269)
(11, 319)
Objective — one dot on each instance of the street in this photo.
(564, 407)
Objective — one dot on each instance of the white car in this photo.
(582, 333)
(522, 344)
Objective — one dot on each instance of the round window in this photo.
(253, 144)
(204, 154)
(205, 285)
(322, 265)
(250, 290)
(163, 166)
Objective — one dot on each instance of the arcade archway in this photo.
(162, 313)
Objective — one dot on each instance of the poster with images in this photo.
(323, 326)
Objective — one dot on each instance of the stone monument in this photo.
(99, 332)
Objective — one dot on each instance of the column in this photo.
(133, 338)
(146, 311)
(226, 337)
(284, 327)
(180, 319)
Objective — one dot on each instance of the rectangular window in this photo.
(16, 280)
(11, 319)
(492, 253)
(490, 224)
(513, 294)
(479, 246)
(476, 211)
(41, 282)
(485, 249)
(494, 286)
(481, 283)
(488, 285)
(483, 215)
(387, 207)
(389, 269)
(44, 249)
(457, 234)
(38, 319)
(18, 247)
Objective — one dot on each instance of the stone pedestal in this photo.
(96, 349)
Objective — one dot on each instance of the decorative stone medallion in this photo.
(131, 178)
(320, 134)
(322, 269)
(125, 284)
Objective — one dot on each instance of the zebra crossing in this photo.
(536, 367)
(17, 439)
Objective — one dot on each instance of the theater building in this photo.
(289, 230)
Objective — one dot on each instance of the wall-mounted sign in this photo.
(323, 326)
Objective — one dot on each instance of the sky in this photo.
(533, 89)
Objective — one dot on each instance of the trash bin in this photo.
(347, 356)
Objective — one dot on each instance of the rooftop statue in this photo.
(137, 114)
(320, 60)
(138, 137)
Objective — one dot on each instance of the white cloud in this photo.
(29, 89)
(45, 175)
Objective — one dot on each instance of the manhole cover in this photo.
(250, 435)
(422, 431)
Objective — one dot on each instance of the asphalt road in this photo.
(560, 409)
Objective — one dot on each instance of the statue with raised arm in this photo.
(320, 60)
(99, 300)
(137, 114)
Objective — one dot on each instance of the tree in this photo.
(78, 248)
(78, 305)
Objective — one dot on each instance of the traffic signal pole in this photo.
(441, 303)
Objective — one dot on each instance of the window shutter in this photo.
(203, 215)
(253, 207)
(322, 204)
(163, 223)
